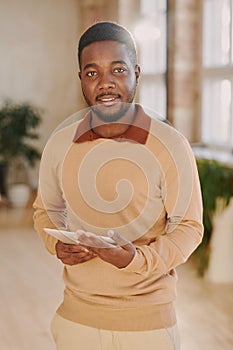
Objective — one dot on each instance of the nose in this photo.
(106, 81)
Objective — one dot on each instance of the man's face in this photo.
(108, 79)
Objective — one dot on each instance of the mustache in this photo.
(106, 94)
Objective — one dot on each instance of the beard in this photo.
(111, 114)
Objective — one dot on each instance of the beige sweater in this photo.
(145, 186)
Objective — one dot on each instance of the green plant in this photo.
(18, 122)
(216, 183)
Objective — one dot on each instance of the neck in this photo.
(113, 129)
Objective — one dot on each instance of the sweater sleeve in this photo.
(49, 206)
(184, 229)
(42, 220)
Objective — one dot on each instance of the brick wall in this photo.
(184, 66)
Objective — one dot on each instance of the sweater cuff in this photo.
(136, 263)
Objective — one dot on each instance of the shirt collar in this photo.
(137, 131)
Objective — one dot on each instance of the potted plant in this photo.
(216, 181)
(18, 123)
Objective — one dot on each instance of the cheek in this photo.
(87, 88)
(129, 85)
(130, 82)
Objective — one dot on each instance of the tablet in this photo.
(70, 237)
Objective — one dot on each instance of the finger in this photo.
(84, 237)
(92, 241)
(76, 258)
(119, 239)
(70, 248)
(76, 249)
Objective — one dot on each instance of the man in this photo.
(122, 174)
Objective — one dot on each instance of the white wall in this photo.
(38, 41)
(221, 255)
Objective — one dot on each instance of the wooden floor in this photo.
(31, 289)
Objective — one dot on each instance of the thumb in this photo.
(119, 239)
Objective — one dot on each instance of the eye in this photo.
(119, 70)
(91, 73)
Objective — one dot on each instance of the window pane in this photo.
(217, 111)
(150, 34)
(217, 105)
(152, 94)
(231, 4)
(217, 29)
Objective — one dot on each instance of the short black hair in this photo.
(103, 31)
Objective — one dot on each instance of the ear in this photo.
(80, 75)
(137, 72)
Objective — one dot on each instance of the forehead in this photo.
(102, 52)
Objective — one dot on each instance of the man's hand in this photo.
(119, 255)
(72, 254)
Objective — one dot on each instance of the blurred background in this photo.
(185, 49)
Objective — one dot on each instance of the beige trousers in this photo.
(73, 336)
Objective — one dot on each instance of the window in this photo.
(147, 21)
(150, 33)
(217, 100)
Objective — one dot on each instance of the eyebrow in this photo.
(90, 65)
